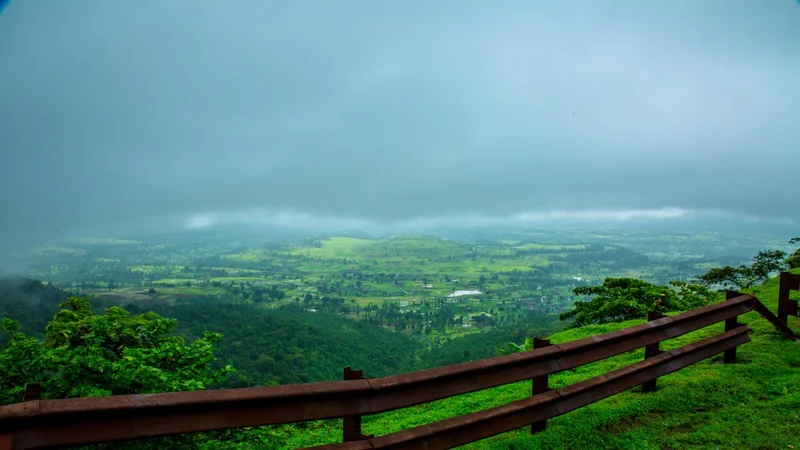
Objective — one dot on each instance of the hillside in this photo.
(267, 346)
(30, 302)
(284, 347)
(475, 346)
(752, 404)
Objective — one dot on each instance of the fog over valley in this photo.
(145, 115)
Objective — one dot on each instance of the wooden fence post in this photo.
(651, 351)
(351, 425)
(33, 391)
(539, 385)
(730, 355)
(5, 442)
(786, 307)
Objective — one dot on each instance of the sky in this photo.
(160, 112)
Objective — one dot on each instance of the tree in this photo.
(766, 262)
(692, 296)
(793, 261)
(743, 277)
(84, 354)
(725, 276)
(620, 299)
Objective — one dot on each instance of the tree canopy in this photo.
(84, 354)
(620, 299)
(793, 260)
(758, 271)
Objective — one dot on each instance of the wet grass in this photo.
(753, 404)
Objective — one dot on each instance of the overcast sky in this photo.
(120, 111)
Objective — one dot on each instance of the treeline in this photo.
(290, 345)
(282, 346)
(485, 344)
(597, 255)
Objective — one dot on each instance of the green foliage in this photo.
(692, 296)
(483, 345)
(30, 302)
(749, 405)
(793, 260)
(365, 279)
(727, 276)
(516, 348)
(626, 291)
(84, 354)
(283, 346)
(619, 299)
(747, 276)
(766, 262)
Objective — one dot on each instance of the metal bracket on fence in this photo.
(539, 385)
(351, 425)
(651, 351)
(787, 307)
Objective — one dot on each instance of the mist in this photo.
(120, 116)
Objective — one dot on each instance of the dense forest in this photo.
(282, 346)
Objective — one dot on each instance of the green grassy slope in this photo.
(754, 404)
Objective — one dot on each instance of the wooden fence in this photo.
(787, 307)
(50, 423)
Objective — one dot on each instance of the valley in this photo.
(421, 285)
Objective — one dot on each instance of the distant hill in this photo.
(30, 302)
(266, 346)
(281, 346)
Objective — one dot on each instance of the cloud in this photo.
(663, 213)
(317, 223)
(114, 113)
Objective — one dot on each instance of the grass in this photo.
(753, 404)
(336, 247)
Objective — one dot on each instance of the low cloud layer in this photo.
(384, 112)
(546, 219)
(466, 218)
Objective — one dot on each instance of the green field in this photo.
(381, 279)
(299, 310)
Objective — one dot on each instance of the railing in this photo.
(51, 423)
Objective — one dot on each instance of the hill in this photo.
(753, 404)
(266, 346)
(282, 346)
(30, 302)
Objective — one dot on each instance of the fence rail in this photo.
(471, 427)
(51, 423)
